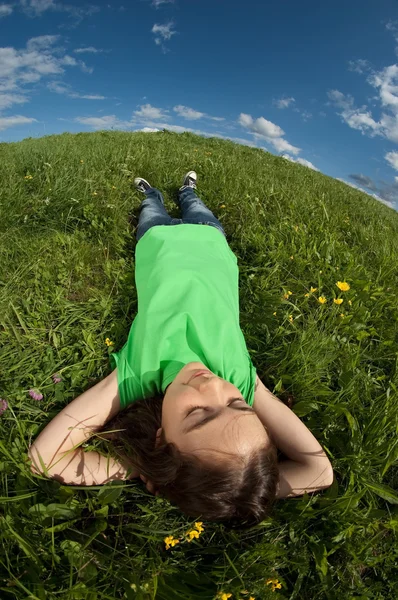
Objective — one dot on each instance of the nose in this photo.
(211, 384)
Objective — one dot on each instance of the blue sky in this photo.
(315, 82)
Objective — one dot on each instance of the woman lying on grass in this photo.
(184, 409)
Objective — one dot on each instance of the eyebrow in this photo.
(214, 415)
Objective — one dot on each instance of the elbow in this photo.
(36, 463)
(326, 476)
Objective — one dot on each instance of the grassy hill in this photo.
(67, 218)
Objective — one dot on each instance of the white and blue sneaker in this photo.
(141, 184)
(189, 181)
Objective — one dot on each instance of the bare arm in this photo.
(57, 451)
(307, 468)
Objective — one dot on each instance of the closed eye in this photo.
(213, 414)
(191, 409)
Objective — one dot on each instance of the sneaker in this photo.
(142, 184)
(189, 180)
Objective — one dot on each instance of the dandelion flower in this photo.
(312, 290)
(292, 258)
(343, 286)
(224, 595)
(320, 272)
(274, 314)
(349, 302)
(306, 295)
(95, 194)
(114, 187)
(338, 300)
(3, 406)
(82, 161)
(291, 318)
(28, 176)
(222, 206)
(252, 598)
(287, 294)
(342, 315)
(56, 378)
(35, 395)
(199, 526)
(322, 299)
(108, 342)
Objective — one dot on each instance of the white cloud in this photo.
(356, 118)
(392, 159)
(268, 131)
(188, 113)
(106, 122)
(40, 59)
(42, 42)
(148, 130)
(6, 122)
(61, 88)
(150, 112)
(301, 161)
(7, 100)
(359, 65)
(163, 33)
(284, 102)
(193, 115)
(386, 81)
(5, 10)
(375, 196)
(36, 8)
(88, 50)
(157, 3)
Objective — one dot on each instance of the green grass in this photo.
(67, 283)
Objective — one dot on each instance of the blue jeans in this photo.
(193, 211)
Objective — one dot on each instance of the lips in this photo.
(198, 373)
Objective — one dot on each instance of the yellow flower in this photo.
(291, 318)
(306, 295)
(224, 595)
(342, 315)
(290, 293)
(95, 194)
(28, 176)
(192, 534)
(322, 299)
(195, 150)
(295, 227)
(222, 206)
(320, 272)
(108, 342)
(343, 286)
(349, 302)
(114, 187)
(274, 583)
(274, 314)
(170, 541)
(312, 290)
(252, 598)
(338, 300)
(199, 526)
(208, 153)
(82, 161)
(292, 258)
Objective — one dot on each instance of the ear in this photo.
(158, 434)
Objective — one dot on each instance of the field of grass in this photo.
(67, 218)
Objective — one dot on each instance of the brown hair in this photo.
(239, 495)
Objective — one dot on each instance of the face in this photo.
(202, 412)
